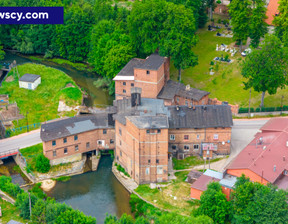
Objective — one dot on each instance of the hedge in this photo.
(261, 109)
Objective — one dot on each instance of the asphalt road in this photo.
(20, 141)
(243, 132)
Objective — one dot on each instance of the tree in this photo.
(214, 204)
(266, 68)
(74, 217)
(211, 5)
(281, 22)
(248, 20)
(257, 203)
(42, 164)
(258, 26)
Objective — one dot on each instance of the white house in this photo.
(29, 81)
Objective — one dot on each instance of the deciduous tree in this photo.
(266, 68)
(281, 22)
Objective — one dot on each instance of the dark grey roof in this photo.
(171, 89)
(153, 62)
(149, 122)
(128, 69)
(29, 78)
(73, 125)
(207, 116)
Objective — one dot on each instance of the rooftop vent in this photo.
(264, 147)
(287, 144)
(284, 158)
(274, 169)
(177, 107)
(187, 87)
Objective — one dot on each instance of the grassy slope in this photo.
(183, 205)
(9, 212)
(227, 83)
(42, 103)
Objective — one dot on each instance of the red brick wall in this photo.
(92, 137)
(248, 173)
(234, 108)
(183, 101)
(137, 148)
(221, 9)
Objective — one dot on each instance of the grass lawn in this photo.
(41, 104)
(190, 162)
(178, 188)
(9, 212)
(227, 82)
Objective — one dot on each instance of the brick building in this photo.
(148, 133)
(68, 139)
(153, 77)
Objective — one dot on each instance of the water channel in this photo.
(94, 193)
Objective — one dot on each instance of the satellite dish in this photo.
(223, 143)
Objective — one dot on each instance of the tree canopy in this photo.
(281, 22)
(266, 68)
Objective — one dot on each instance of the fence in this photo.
(243, 110)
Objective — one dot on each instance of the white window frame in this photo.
(172, 138)
(215, 137)
(197, 148)
(147, 171)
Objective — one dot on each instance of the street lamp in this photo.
(27, 120)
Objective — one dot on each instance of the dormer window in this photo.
(147, 72)
(124, 83)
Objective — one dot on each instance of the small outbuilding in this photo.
(29, 81)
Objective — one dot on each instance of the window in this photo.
(157, 160)
(215, 136)
(198, 136)
(174, 147)
(124, 83)
(75, 137)
(186, 137)
(147, 131)
(149, 161)
(177, 99)
(53, 143)
(147, 72)
(159, 131)
(64, 140)
(87, 145)
(124, 91)
(120, 131)
(172, 137)
(203, 102)
(65, 151)
(111, 141)
(191, 103)
(132, 84)
(120, 153)
(104, 131)
(76, 148)
(54, 153)
(120, 142)
(147, 171)
(186, 103)
(100, 142)
(196, 147)
(186, 147)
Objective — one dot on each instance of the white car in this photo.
(246, 52)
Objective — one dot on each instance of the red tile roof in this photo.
(202, 182)
(270, 158)
(272, 9)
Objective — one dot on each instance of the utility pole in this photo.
(282, 104)
(249, 104)
(30, 205)
(27, 121)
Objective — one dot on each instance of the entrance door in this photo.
(29, 85)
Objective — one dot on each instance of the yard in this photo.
(227, 82)
(41, 104)
(174, 196)
(9, 212)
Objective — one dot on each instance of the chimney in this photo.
(111, 122)
(274, 169)
(284, 158)
(188, 87)
(136, 96)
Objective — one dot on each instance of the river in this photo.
(94, 193)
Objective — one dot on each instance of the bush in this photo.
(219, 21)
(226, 57)
(258, 109)
(121, 169)
(7, 186)
(212, 63)
(42, 164)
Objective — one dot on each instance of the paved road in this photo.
(243, 132)
(20, 141)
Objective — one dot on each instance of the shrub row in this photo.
(121, 169)
(261, 109)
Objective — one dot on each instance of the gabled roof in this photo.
(272, 10)
(267, 154)
(29, 78)
(202, 182)
(128, 70)
(207, 116)
(153, 62)
(149, 122)
(73, 125)
(172, 89)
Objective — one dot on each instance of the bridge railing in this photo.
(9, 153)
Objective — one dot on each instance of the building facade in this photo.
(29, 81)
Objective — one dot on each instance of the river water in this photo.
(94, 193)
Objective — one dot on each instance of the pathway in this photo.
(6, 197)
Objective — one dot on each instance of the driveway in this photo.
(20, 141)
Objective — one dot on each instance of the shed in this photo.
(29, 81)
